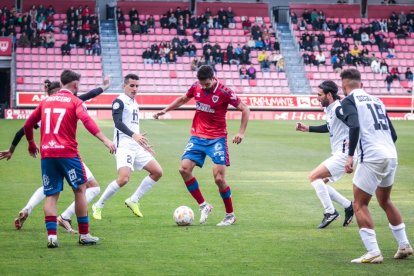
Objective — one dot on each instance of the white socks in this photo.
(369, 238)
(399, 234)
(145, 186)
(323, 195)
(112, 188)
(36, 198)
(337, 197)
(90, 194)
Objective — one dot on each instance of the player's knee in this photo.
(184, 171)
(157, 174)
(384, 203)
(219, 180)
(122, 180)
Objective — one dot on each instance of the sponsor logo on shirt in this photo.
(62, 99)
(205, 107)
(52, 145)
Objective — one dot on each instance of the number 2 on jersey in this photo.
(380, 120)
(48, 111)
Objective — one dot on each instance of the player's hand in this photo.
(33, 149)
(349, 164)
(158, 114)
(110, 145)
(302, 127)
(106, 83)
(238, 138)
(6, 154)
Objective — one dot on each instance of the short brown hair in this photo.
(68, 76)
(351, 74)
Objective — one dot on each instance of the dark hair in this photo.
(68, 76)
(130, 76)
(46, 84)
(53, 86)
(205, 72)
(330, 87)
(351, 74)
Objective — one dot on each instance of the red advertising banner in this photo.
(6, 46)
(254, 101)
(14, 114)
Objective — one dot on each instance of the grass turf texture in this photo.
(276, 208)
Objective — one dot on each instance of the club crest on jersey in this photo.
(115, 106)
(215, 98)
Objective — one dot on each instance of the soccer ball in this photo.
(183, 216)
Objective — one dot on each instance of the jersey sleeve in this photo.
(88, 122)
(117, 110)
(91, 94)
(32, 121)
(191, 90)
(233, 99)
(319, 129)
(350, 118)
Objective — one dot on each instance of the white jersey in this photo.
(338, 131)
(375, 140)
(126, 108)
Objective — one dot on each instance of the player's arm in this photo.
(28, 127)
(92, 127)
(392, 129)
(97, 91)
(351, 120)
(245, 110)
(117, 111)
(174, 105)
(7, 154)
(318, 129)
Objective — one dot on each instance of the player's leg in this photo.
(50, 219)
(194, 155)
(344, 202)
(34, 200)
(92, 190)
(219, 172)
(396, 222)
(366, 181)
(155, 173)
(316, 178)
(124, 163)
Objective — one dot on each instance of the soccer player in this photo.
(209, 137)
(332, 169)
(371, 129)
(93, 189)
(60, 158)
(133, 151)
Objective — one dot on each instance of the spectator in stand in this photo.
(172, 22)
(375, 66)
(280, 66)
(120, 14)
(306, 58)
(389, 79)
(276, 45)
(320, 58)
(171, 57)
(348, 32)
(246, 24)
(191, 50)
(364, 38)
(391, 49)
(302, 25)
(181, 26)
(23, 41)
(251, 71)
(121, 28)
(244, 57)
(151, 22)
(306, 16)
(383, 67)
(96, 48)
(316, 45)
(275, 57)
(50, 11)
(230, 15)
(243, 73)
(88, 48)
(293, 17)
(395, 73)
(72, 40)
(340, 30)
(35, 40)
(147, 56)
(144, 27)
(33, 12)
(217, 56)
(50, 40)
(65, 49)
(164, 22)
(135, 28)
(408, 74)
(133, 14)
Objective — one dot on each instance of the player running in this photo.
(93, 189)
(332, 169)
(133, 151)
(209, 137)
(372, 131)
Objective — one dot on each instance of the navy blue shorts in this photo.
(55, 169)
(197, 149)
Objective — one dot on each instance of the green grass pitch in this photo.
(276, 208)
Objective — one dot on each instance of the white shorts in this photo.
(369, 176)
(89, 174)
(136, 158)
(336, 165)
